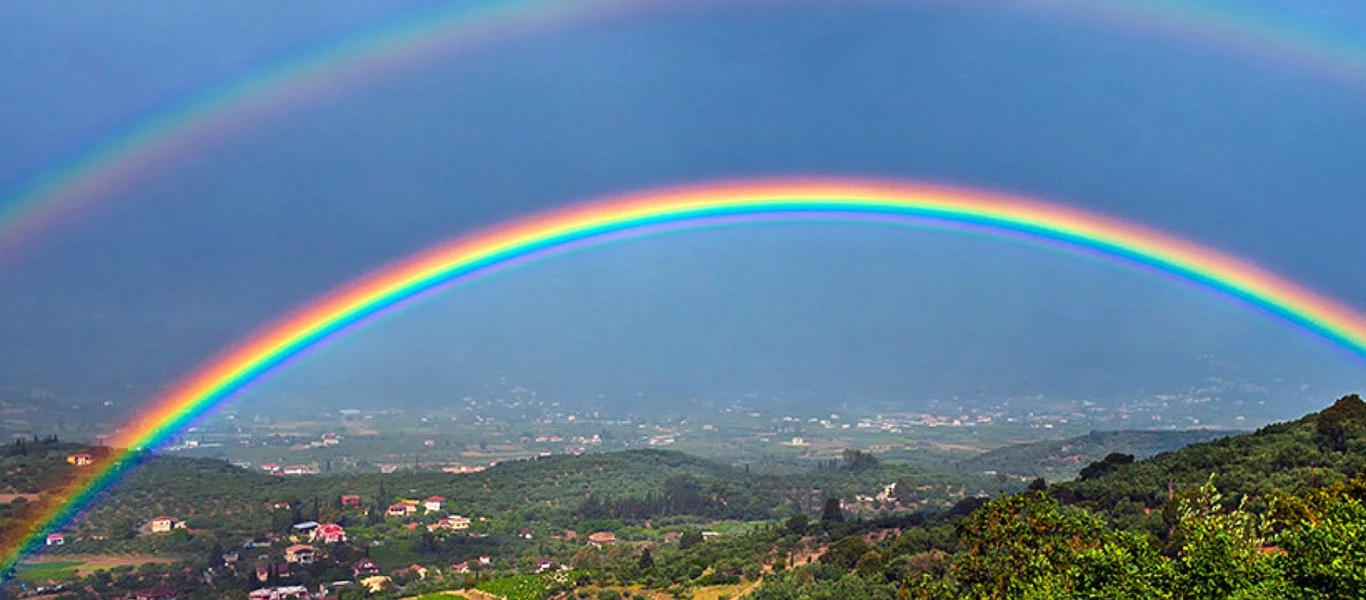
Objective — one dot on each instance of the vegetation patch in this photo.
(520, 587)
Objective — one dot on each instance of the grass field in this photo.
(46, 571)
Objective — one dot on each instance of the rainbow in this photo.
(695, 206)
(68, 186)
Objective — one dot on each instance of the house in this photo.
(270, 467)
(301, 553)
(329, 533)
(231, 558)
(485, 561)
(524, 534)
(545, 565)
(350, 501)
(602, 537)
(155, 593)
(280, 593)
(461, 567)
(451, 523)
(305, 527)
(434, 503)
(672, 536)
(364, 567)
(706, 535)
(80, 460)
(301, 470)
(163, 524)
(414, 570)
(56, 539)
(401, 509)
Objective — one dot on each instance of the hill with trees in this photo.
(1277, 513)
(1064, 459)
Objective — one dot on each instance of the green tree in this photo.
(831, 512)
(1221, 551)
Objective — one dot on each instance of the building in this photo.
(305, 527)
(301, 554)
(434, 503)
(451, 523)
(56, 539)
(329, 533)
(546, 565)
(524, 534)
(350, 501)
(163, 524)
(80, 460)
(602, 537)
(461, 567)
(401, 509)
(280, 593)
(364, 567)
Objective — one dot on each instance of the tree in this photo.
(832, 513)
(846, 552)
(869, 564)
(647, 560)
(858, 460)
(1111, 462)
(1221, 551)
(216, 556)
(689, 539)
(797, 524)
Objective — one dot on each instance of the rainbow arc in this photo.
(558, 231)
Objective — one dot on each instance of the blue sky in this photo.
(1259, 158)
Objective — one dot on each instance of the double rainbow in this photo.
(695, 206)
(283, 82)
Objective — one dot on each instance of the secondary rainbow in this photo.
(698, 206)
(69, 185)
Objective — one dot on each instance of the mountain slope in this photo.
(1064, 459)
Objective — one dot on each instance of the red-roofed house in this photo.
(602, 537)
(350, 501)
(461, 567)
(434, 503)
(328, 533)
(56, 539)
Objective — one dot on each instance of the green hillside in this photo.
(1056, 460)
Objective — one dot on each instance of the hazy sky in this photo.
(1261, 158)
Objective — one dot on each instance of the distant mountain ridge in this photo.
(1057, 460)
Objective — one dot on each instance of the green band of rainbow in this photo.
(555, 231)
